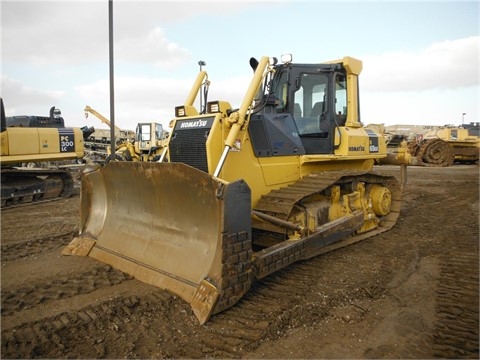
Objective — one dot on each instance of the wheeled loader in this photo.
(240, 193)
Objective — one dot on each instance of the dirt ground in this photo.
(411, 292)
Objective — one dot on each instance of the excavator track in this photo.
(26, 187)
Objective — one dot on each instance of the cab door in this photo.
(313, 108)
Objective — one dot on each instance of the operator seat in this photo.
(317, 109)
(297, 111)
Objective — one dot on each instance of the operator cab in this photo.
(316, 96)
(313, 98)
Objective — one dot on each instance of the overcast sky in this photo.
(420, 59)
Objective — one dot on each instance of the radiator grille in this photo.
(188, 144)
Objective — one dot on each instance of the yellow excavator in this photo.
(37, 143)
(243, 192)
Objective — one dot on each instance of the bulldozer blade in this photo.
(172, 226)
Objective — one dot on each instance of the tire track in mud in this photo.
(57, 336)
(160, 325)
(273, 306)
(456, 332)
(294, 297)
(50, 228)
(26, 296)
(19, 250)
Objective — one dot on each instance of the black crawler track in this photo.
(28, 187)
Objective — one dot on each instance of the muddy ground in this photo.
(409, 293)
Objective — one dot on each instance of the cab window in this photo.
(311, 103)
(340, 99)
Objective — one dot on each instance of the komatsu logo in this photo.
(356, 148)
(193, 124)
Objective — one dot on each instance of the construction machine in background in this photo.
(439, 146)
(445, 146)
(43, 144)
(97, 145)
(54, 120)
(241, 193)
(473, 128)
(145, 144)
(121, 133)
(398, 152)
(151, 139)
(148, 145)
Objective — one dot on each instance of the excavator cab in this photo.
(240, 193)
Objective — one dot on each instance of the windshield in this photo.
(145, 132)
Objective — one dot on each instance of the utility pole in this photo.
(111, 73)
(463, 117)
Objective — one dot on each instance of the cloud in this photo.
(447, 64)
(75, 32)
(136, 90)
(428, 107)
(140, 99)
(52, 32)
(15, 94)
(153, 45)
(137, 99)
(433, 85)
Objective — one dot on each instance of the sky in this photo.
(421, 59)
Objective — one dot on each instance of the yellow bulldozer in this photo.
(243, 192)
